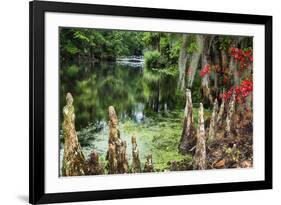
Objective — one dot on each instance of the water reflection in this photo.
(135, 92)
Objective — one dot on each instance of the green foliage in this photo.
(147, 99)
(164, 43)
(92, 44)
(127, 43)
(169, 71)
(192, 47)
(224, 42)
(167, 44)
(71, 49)
(79, 44)
(175, 50)
(82, 36)
(153, 59)
(152, 40)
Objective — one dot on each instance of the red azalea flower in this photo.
(251, 58)
(248, 52)
(240, 55)
(241, 92)
(205, 70)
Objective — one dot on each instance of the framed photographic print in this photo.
(140, 102)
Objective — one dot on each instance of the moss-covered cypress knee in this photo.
(148, 167)
(73, 159)
(136, 164)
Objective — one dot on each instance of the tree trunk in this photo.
(223, 59)
(233, 64)
(188, 139)
(206, 91)
(92, 55)
(195, 60)
(212, 129)
(220, 115)
(233, 69)
(217, 68)
(229, 118)
(182, 62)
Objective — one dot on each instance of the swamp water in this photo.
(146, 103)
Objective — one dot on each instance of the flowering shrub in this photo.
(241, 92)
(244, 57)
(244, 60)
(205, 70)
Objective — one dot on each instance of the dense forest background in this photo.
(144, 75)
(182, 55)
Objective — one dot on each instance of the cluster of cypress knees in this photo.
(74, 162)
(194, 141)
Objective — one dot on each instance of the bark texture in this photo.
(112, 161)
(213, 127)
(182, 61)
(195, 60)
(114, 134)
(122, 160)
(233, 69)
(229, 118)
(220, 115)
(206, 60)
(199, 159)
(73, 159)
(188, 138)
(94, 166)
(136, 164)
(116, 155)
(148, 166)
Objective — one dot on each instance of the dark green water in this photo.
(146, 103)
(134, 92)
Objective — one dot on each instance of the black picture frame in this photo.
(37, 10)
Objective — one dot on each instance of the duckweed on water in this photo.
(159, 134)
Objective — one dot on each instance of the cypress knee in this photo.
(114, 135)
(148, 167)
(94, 166)
(199, 159)
(73, 159)
(122, 161)
(136, 164)
(188, 140)
(112, 161)
(116, 155)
